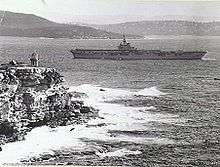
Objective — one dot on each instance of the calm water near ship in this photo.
(156, 113)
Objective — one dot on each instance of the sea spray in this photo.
(113, 117)
(97, 93)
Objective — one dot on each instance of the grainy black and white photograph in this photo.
(110, 83)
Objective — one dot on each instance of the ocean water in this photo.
(154, 113)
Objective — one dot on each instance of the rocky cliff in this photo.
(34, 96)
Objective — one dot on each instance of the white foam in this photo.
(208, 59)
(109, 94)
(116, 117)
(118, 153)
(39, 140)
(153, 91)
(96, 95)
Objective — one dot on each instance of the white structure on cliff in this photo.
(34, 59)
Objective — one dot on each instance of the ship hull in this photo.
(137, 55)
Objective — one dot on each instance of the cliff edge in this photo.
(32, 96)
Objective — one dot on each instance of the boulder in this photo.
(7, 129)
(102, 90)
(85, 109)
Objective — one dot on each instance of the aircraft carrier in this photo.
(126, 52)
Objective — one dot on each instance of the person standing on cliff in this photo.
(34, 58)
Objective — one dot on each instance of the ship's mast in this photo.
(124, 40)
(125, 46)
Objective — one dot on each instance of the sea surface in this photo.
(154, 113)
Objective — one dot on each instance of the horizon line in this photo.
(193, 18)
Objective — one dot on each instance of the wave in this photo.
(118, 116)
(153, 91)
(208, 59)
(39, 141)
(118, 153)
(113, 117)
(98, 93)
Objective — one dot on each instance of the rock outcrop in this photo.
(34, 96)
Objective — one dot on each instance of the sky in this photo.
(114, 11)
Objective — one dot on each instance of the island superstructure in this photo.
(127, 52)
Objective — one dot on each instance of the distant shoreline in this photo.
(148, 37)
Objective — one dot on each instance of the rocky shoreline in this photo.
(34, 96)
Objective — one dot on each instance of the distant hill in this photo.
(29, 25)
(145, 28)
